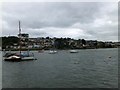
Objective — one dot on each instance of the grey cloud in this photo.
(50, 14)
(61, 15)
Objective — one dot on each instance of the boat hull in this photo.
(27, 58)
(12, 59)
(16, 58)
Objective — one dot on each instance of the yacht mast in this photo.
(20, 37)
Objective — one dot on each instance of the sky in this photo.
(78, 20)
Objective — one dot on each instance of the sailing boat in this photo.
(53, 51)
(21, 56)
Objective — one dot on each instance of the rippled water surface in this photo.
(90, 68)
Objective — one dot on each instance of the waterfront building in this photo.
(24, 40)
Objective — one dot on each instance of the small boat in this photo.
(73, 51)
(52, 52)
(12, 58)
(27, 56)
(18, 57)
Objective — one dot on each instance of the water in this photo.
(91, 68)
(0, 71)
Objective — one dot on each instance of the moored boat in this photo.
(21, 56)
(18, 57)
(52, 52)
(27, 56)
(73, 51)
(13, 58)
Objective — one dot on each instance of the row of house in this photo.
(59, 43)
(69, 43)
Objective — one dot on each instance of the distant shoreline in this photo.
(51, 49)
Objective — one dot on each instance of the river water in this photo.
(90, 68)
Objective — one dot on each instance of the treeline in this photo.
(9, 41)
(64, 43)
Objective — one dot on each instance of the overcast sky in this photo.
(79, 20)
